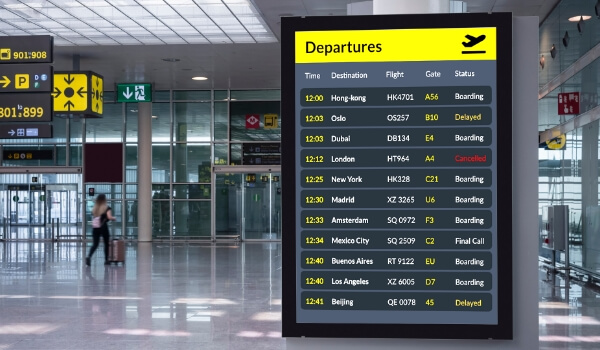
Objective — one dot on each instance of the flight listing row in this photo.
(394, 301)
(396, 260)
(396, 239)
(386, 219)
(396, 157)
(395, 178)
(393, 280)
(399, 96)
(339, 117)
(369, 198)
(396, 137)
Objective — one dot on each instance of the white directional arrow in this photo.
(11, 132)
(127, 94)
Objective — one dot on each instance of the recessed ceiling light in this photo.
(199, 78)
(154, 117)
(171, 59)
(578, 18)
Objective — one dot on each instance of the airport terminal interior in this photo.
(211, 277)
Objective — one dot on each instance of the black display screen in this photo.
(398, 172)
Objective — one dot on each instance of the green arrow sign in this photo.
(134, 92)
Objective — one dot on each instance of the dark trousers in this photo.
(97, 233)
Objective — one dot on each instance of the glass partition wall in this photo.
(192, 131)
(569, 168)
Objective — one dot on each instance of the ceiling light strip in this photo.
(66, 9)
(188, 22)
(53, 20)
(240, 22)
(258, 15)
(163, 23)
(136, 22)
(213, 21)
(26, 20)
(112, 23)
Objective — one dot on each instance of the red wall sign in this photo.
(252, 121)
(568, 103)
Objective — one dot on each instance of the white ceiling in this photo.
(135, 22)
(239, 66)
(232, 66)
(273, 9)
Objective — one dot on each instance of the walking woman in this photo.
(101, 213)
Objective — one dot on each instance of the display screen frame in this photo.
(504, 328)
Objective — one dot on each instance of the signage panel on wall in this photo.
(25, 107)
(25, 78)
(399, 176)
(264, 159)
(252, 121)
(568, 103)
(26, 49)
(261, 148)
(134, 92)
(79, 92)
(45, 154)
(23, 131)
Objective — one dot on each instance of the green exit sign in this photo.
(134, 92)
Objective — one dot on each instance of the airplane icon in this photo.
(473, 40)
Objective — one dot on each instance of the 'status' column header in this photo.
(393, 45)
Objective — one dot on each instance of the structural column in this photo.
(381, 7)
(589, 190)
(589, 163)
(144, 172)
(181, 212)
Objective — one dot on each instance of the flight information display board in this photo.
(397, 174)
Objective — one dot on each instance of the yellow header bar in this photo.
(392, 45)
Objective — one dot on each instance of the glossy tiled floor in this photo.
(569, 314)
(165, 297)
(192, 296)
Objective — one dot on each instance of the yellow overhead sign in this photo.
(78, 93)
(393, 45)
(557, 143)
(271, 121)
(97, 94)
(70, 92)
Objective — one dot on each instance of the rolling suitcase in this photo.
(116, 251)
